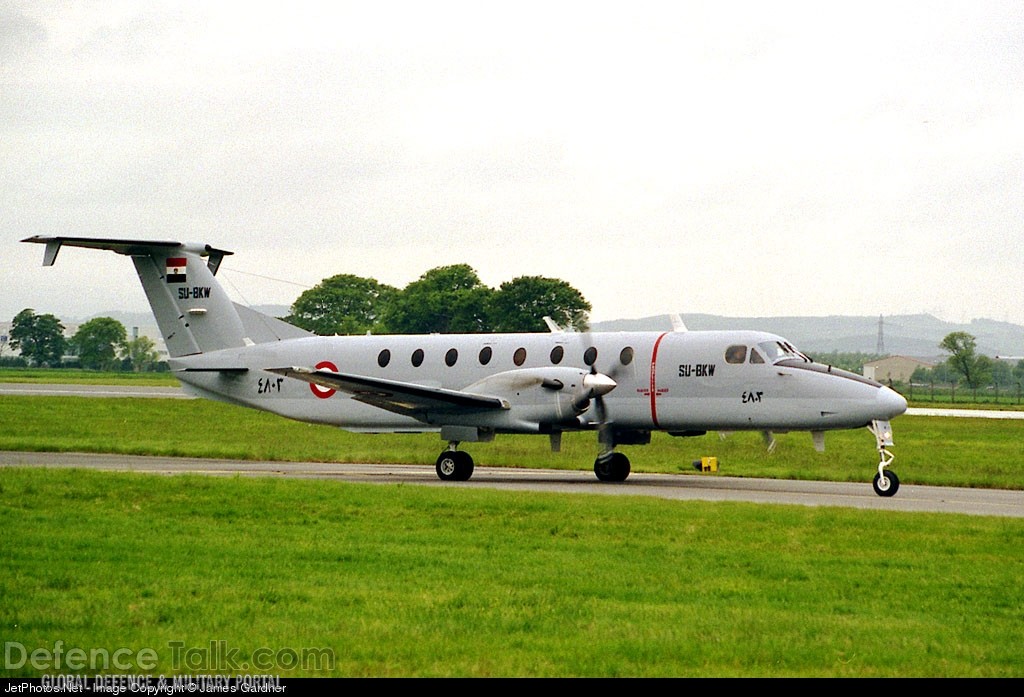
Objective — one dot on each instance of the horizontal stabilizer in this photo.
(126, 247)
(192, 309)
(405, 398)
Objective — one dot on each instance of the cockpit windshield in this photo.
(780, 350)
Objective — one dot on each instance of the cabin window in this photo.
(451, 357)
(590, 356)
(417, 358)
(519, 357)
(557, 353)
(485, 355)
(626, 355)
(383, 358)
(736, 354)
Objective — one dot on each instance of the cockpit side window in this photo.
(756, 357)
(736, 354)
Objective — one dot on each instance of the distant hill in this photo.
(905, 335)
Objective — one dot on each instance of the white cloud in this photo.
(825, 160)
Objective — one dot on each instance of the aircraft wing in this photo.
(406, 398)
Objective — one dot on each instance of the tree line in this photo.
(99, 344)
(446, 299)
(966, 367)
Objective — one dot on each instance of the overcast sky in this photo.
(735, 158)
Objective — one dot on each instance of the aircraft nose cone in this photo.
(891, 403)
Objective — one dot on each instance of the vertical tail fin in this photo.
(194, 313)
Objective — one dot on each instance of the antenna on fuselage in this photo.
(677, 323)
(553, 325)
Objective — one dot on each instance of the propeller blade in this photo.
(605, 433)
(596, 386)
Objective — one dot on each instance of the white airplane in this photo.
(469, 387)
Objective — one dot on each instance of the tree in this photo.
(447, 299)
(1002, 373)
(141, 354)
(1018, 371)
(964, 360)
(98, 343)
(342, 304)
(521, 304)
(40, 338)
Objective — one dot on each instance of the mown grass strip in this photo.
(69, 376)
(929, 450)
(419, 581)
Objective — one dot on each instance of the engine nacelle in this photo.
(538, 398)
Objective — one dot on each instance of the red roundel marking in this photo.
(323, 392)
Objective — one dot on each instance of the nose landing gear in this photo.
(885, 483)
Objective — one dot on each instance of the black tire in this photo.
(613, 467)
(454, 466)
(887, 486)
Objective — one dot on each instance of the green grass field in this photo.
(419, 581)
(293, 577)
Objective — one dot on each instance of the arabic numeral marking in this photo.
(265, 385)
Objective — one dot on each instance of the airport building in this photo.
(894, 368)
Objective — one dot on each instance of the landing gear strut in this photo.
(885, 483)
(454, 465)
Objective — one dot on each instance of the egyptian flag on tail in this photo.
(176, 269)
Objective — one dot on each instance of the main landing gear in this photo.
(611, 467)
(454, 465)
(457, 466)
(885, 483)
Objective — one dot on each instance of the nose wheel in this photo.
(885, 483)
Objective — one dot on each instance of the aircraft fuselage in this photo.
(671, 381)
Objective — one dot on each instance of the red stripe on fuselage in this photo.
(653, 385)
